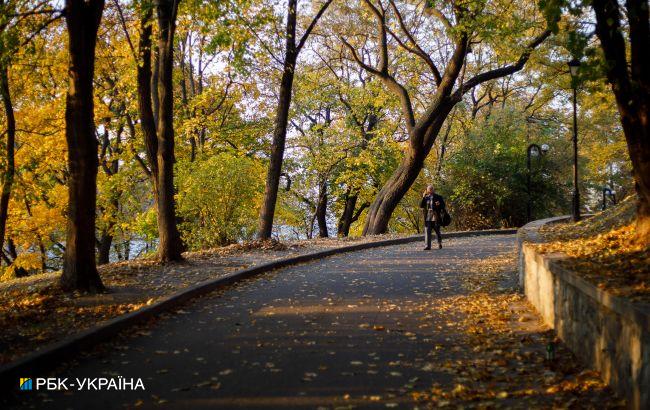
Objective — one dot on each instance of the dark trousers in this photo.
(428, 226)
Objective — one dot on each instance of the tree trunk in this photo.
(632, 90)
(348, 212)
(170, 245)
(392, 192)
(321, 211)
(640, 154)
(11, 249)
(10, 170)
(145, 89)
(104, 248)
(79, 269)
(155, 103)
(280, 131)
(401, 180)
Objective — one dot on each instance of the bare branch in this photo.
(415, 49)
(312, 25)
(265, 46)
(382, 37)
(40, 29)
(437, 13)
(126, 31)
(507, 70)
(382, 70)
(359, 60)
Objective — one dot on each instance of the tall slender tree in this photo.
(10, 169)
(79, 269)
(156, 104)
(292, 50)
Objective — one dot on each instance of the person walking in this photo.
(432, 206)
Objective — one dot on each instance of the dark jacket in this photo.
(437, 208)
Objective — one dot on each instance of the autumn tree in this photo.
(630, 81)
(9, 169)
(79, 267)
(363, 109)
(20, 22)
(292, 50)
(156, 105)
(462, 25)
(623, 29)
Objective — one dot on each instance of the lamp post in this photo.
(529, 151)
(574, 65)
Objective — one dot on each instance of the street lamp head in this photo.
(545, 148)
(574, 65)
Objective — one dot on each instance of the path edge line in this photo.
(52, 354)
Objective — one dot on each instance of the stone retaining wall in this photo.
(606, 332)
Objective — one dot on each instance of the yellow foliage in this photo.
(28, 261)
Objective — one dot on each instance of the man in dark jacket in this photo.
(432, 206)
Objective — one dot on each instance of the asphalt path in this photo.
(352, 330)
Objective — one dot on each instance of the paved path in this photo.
(351, 330)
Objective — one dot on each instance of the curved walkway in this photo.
(377, 328)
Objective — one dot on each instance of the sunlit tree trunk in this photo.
(79, 269)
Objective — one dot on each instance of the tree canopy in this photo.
(210, 123)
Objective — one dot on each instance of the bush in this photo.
(218, 199)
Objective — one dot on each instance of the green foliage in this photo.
(485, 180)
(145, 225)
(225, 87)
(218, 199)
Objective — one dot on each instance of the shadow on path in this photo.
(379, 328)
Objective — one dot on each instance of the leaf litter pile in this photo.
(602, 249)
(504, 360)
(35, 312)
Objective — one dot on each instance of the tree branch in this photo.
(312, 25)
(126, 32)
(507, 70)
(382, 70)
(437, 13)
(416, 49)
